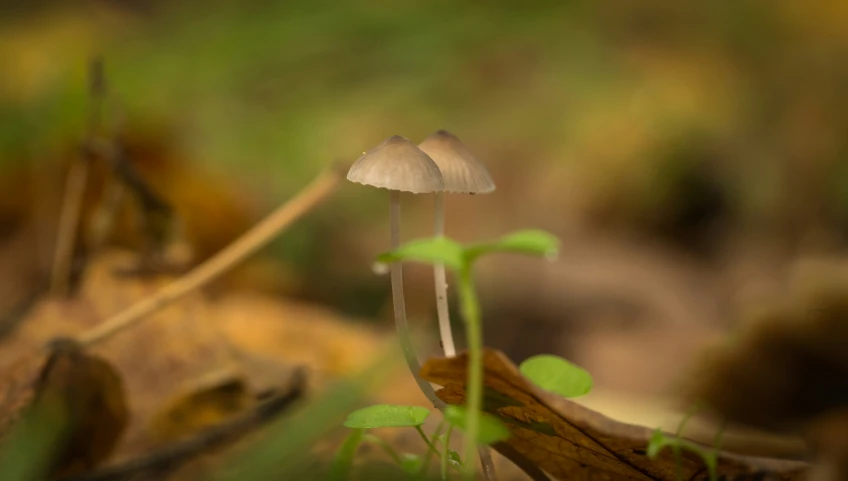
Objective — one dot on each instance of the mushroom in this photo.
(398, 165)
(463, 174)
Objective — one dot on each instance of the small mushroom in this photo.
(463, 174)
(398, 165)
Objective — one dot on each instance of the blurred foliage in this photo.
(267, 89)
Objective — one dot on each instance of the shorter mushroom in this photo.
(398, 165)
(463, 174)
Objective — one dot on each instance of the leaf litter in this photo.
(185, 386)
(569, 441)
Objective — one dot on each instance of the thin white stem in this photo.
(400, 306)
(442, 285)
(488, 464)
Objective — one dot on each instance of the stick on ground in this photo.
(252, 240)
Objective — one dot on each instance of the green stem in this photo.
(474, 331)
(385, 446)
(431, 445)
(678, 457)
(446, 448)
(341, 464)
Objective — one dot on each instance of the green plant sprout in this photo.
(660, 440)
(460, 260)
(449, 456)
(383, 416)
(387, 416)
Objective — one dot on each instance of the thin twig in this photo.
(68, 224)
(75, 185)
(252, 240)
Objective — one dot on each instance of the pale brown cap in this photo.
(397, 164)
(462, 172)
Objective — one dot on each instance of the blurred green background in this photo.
(703, 142)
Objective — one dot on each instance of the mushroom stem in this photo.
(400, 306)
(441, 284)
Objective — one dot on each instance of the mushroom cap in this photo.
(397, 164)
(462, 172)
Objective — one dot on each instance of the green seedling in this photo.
(460, 260)
(343, 461)
(660, 441)
(386, 416)
(557, 375)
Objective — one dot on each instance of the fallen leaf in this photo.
(206, 403)
(198, 456)
(222, 395)
(159, 358)
(785, 371)
(86, 395)
(569, 441)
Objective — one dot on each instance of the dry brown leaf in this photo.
(224, 394)
(199, 456)
(569, 441)
(203, 362)
(211, 401)
(85, 393)
(159, 358)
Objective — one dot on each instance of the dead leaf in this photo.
(569, 441)
(224, 394)
(199, 456)
(175, 346)
(85, 393)
(206, 403)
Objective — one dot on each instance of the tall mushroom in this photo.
(398, 165)
(462, 174)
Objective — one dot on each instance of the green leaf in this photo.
(492, 430)
(411, 463)
(555, 374)
(435, 250)
(340, 467)
(386, 416)
(531, 241)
